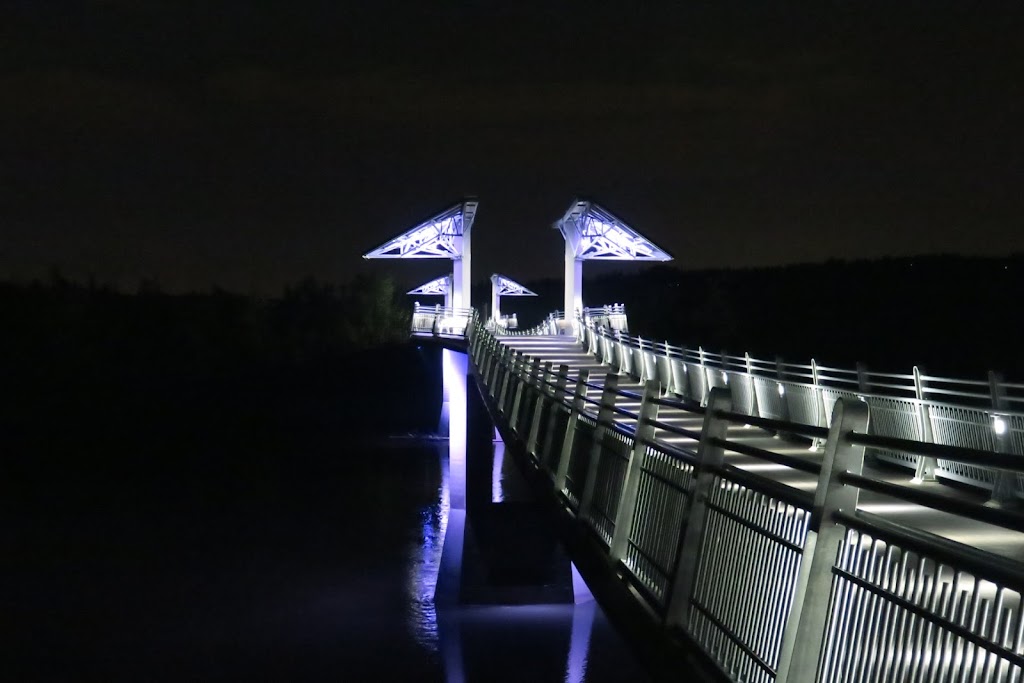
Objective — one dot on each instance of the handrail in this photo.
(686, 526)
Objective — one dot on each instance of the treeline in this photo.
(85, 332)
(952, 315)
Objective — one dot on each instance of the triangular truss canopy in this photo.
(441, 286)
(433, 238)
(504, 286)
(596, 235)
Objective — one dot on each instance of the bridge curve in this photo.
(752, 534)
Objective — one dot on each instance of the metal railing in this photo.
(440, 321)
(982, 414)
(774, 583)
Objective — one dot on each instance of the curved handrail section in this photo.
(980, 414)
(775, 581)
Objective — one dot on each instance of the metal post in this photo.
(862, 378)
(706, 391)
(522, 380)
(480, 353)
(493, 351)
(926, 466)
(625, 513)
(558, 396)
(507, 368)
(668, 386)
(479, 338)
(819, 406)
(686, 390)
(755, 411)
(804, 634)
(578, 404)
(640, 376)
(605, 414)
(496, 370)
(1004, 489)
(622, 353)
(543, 389)
(709, 460)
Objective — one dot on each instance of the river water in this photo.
(148, 545)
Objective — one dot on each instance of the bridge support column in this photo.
(449, 575)
(573, 301)
(494, 553)
(495, 304)
(453, 384)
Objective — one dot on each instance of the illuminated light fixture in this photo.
(725, 377)
(999, 425)
(782, 390)
(593, 234)
(445, 235)
(503, 286)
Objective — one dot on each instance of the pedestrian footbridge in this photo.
(793, 522)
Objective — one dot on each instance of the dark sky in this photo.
(249, 144)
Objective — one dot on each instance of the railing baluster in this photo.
(631, 480)
(709, 457)
(543, 392)
(565, 454)
(926, 466)
(523, 379)
(605, 414)
(805, 628)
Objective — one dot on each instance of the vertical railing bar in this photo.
(631, 479)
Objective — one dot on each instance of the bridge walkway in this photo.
(993, 539)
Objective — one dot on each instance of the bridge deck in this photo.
(985, 537)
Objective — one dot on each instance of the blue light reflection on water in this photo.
(543, 642)
(425, 560)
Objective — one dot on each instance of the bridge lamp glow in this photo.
(999, 426)
(782, 390)
(725, 377)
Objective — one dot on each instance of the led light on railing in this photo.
(725, 378)
(782, 390)
(999, 425)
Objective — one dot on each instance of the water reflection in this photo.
(425, 560)
(488, 643)
(497, 478)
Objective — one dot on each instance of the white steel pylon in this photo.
(592, 233)
(503, 286)
(441, 286)
(446, 235)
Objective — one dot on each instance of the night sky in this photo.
(249, 144)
